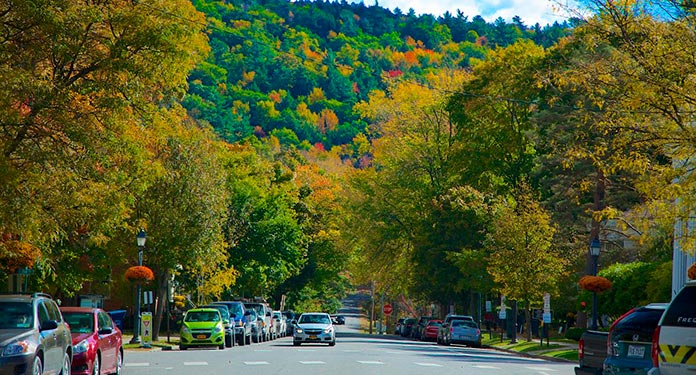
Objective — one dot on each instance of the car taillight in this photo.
(581, 349)
(478, 332)
(655, 352)
(451, 329)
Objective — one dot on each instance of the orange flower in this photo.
(692, 272)
(139, 274)
(596, 284)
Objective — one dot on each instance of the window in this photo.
(682, 310)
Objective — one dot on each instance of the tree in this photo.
(522, 258)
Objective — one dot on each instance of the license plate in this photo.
(200, 336)
(636, 351)
(313, 337)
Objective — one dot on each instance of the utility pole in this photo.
(372, 310)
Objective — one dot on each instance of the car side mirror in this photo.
(268, 314)
(106, 331)
(293, 321)
(48, 325)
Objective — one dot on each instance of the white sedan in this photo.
(314, 328)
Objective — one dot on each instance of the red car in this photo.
(97, 343)
(430, 331)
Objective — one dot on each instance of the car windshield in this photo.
(16, 315)
(223, 311)
(202, 316)
(79, 322)
(314, 319)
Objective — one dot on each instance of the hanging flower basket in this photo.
(139, 274)
(692, 272)
(595, 284)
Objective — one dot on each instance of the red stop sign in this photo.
(387, 309)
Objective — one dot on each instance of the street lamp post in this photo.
(595, 248)
(140, 239)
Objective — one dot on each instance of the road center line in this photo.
(312, 362)
(141, 364)
(195, 363)
(427, 364)
(256, 363)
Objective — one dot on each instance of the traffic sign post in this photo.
(387, 309)
(146, 329)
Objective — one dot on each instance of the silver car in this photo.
(314, 328)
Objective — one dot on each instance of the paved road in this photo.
(353, 354)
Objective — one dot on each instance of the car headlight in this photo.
(185, 330)
(16, 348)
(298, 330)
(81, 347)
(240, 323)
(217, 329)
(328, 330)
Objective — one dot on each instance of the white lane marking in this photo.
(195, 363)
(371, 362)
(541, 369)
(138, 364)
(427, 364)
(312, 362)
(256, 363)
(487, 367)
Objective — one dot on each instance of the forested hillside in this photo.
(295, 69)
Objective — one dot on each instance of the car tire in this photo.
(95, 365)
(242, 340)
(332, 343)
(65, 369)
(221, 346)
(37, 366)
(228, 341)
(296, 343)
(183, 347)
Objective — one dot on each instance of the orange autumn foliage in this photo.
(139, 274)
(16, 254)
(692, 272)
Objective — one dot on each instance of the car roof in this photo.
(79, 309)
(203, 309)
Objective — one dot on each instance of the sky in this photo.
(530, 11)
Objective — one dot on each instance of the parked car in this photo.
(202, 327)
(97, 342)
(398, 326)
(314, 328)
(418, 328)
(34, 338)
(674, 341)
(290, 326)
(280, 323)
(339, 320)
(592, 352)
(630, 340)
(229, 328)
(463, 332)
(265, 312)
(256, 323)
(242, 323)
(430, 330)
(408, 327)
(445, 327)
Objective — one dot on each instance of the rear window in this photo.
(464, 323)
(640, 318)
(682, 310)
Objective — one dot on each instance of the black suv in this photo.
(34, 338)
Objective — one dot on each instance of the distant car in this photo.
(202, 327)
(398, 326)
(264, 312)
(242, 323)
(314, 328)
(674, 340)
(290, 326)
(418, 328)
(407, 327)
(256, 324)
(340, 320)
(430, 330)
(34, 338)
(630, 340)
(445, 327)
(226, 322)
(463, 332)
(97, 342)
(280, 322)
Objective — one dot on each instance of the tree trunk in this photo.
(161, 302)
(528, 320)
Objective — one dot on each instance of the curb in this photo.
(530, 355)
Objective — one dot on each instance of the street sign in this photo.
(502, 314)
(547, 317)
(489, 306)
(146, 329)
(387, 309)
(547, 302)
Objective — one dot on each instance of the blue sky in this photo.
(530, 11)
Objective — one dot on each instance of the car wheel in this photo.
(242, 340)
(65, 370)
(221, 347)
(119, 361)
(182, 347)
(296, 343)
(95, 365)
(332, 343)
(37, 366)
(228, 341)
(247, 340)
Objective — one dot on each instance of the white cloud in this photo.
(530, 11)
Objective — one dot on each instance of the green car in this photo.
(202, 327)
